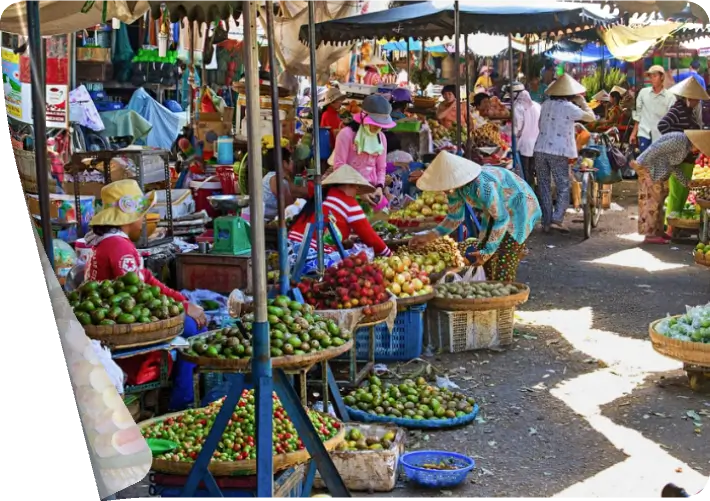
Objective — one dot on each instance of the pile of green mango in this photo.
(126, 300)
(294, 330)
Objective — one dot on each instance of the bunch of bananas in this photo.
(488, 135)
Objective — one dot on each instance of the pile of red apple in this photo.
(353, 283)
(405, 277)
(702, 162)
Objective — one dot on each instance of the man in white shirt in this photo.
(652, 104)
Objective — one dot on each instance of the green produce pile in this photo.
(414, 400)
(190, 429)
(694, 326)
(475, 290)
(126, 300)
(355, 440)
(294, 328)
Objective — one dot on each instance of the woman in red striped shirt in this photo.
(342, 208)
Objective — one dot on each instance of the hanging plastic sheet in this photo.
(632, 44)
(82, 110)
(166, 126)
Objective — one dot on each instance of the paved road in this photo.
(581, 405)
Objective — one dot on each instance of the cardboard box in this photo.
(227, 116)
(85, 189)
(219, 128)
(95, 54)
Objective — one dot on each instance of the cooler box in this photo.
(203, 189)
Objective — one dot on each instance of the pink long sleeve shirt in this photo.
(371, 167)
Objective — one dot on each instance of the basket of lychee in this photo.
(351, 284)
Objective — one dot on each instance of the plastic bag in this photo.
(473, 274)
(235, 303)
(115, 373)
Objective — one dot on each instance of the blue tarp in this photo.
(414, 46)
(589, 54)
(166, 126)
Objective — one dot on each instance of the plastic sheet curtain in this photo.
(631, 44)
(291, 54)
(60, 17)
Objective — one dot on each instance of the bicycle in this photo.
(591, 197)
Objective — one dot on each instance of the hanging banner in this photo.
(17, 83)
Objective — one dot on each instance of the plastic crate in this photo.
(458, 331)
(403, 343)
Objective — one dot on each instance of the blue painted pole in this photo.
(316, 134)
(261, 360)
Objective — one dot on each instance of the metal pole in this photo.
(468, 90)
(457, 34)
(278, 156)
(316, 134)
(527, 58)
(409, 62)
(261, 361)
(37, 73)
(513, 142)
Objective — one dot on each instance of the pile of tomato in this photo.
(190, 429)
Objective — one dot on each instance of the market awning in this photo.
(414, 46)
(58, 17)
(432, 20)
(669, 9)
(589, 53)
(202, 12)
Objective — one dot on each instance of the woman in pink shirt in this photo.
(363, 145)
(372, 75)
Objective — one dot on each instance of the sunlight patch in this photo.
(639, 259)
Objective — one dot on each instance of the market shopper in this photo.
(684, 115)
(363, 145)
(537, 89)
(510, 210)
(372, 75)
(652, 104)
(340, 206)
(654, 167)
(114, 254)
(292, 192)
(330, 114)
(527, 128)
(556, 145)
(401, 99)
(484, 79)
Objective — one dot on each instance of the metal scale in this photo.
(231, 231)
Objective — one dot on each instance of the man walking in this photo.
(652, 104)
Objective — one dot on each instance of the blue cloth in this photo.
(183, 393)
(694, 74)
(644, 143)
(166, 126)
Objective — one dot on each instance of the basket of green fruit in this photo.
(236, 453)
(126, 312)
(701, 254)
(299, 339)
(478, 296)
(684, 337)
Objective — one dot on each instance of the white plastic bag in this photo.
(473, 274)
(115, 373)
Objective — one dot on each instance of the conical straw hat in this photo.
(618, 89)
(448, 172)
(700, 139)
(601, 96)
(565, 85)
(347, 175)
(689, 89)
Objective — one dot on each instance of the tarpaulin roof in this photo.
(414, 46)
(431, 20)
(587, 54)
(202, 12)
(667, 8)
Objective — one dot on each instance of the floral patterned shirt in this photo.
(665, 156)
(504, 198)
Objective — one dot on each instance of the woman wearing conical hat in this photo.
(684, 115)
(510, 210)
(654, 167)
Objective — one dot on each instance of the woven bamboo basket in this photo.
(26, 168)
(379, 313)
(493, 303)
(236, 468)
(288, 362)
(699, 183)
(701, 259)
(684, 351)
(703, 204)
(404, 303)
(424, 103)
(685, 224)
(133, 335)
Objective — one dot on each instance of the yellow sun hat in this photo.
(448, 172)
(123, 203)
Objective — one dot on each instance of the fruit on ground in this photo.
(412, 400)
(294, 330)
(404, 277)
(475, 290)
(190, 430)
(353, 283)
(358, 440)
(126, 300)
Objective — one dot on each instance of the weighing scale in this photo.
(231, 232)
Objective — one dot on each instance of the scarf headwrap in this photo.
(368, 142)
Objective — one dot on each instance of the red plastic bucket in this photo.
(203, 189)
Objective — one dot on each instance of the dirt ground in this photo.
(580, 397)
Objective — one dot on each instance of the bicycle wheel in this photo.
(587, 204)
(597, 205)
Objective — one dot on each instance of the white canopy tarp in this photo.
(58, 17)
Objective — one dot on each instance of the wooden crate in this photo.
(90, 71)
(215, 272)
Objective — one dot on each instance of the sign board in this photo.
(18, 87)
(704, 52)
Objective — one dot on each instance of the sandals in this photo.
(559, 227)
(655, 241)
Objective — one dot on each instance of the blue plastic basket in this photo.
(366, 417)
(402, 344)
(411, 465)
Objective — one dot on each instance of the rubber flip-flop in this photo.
(655, 241)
